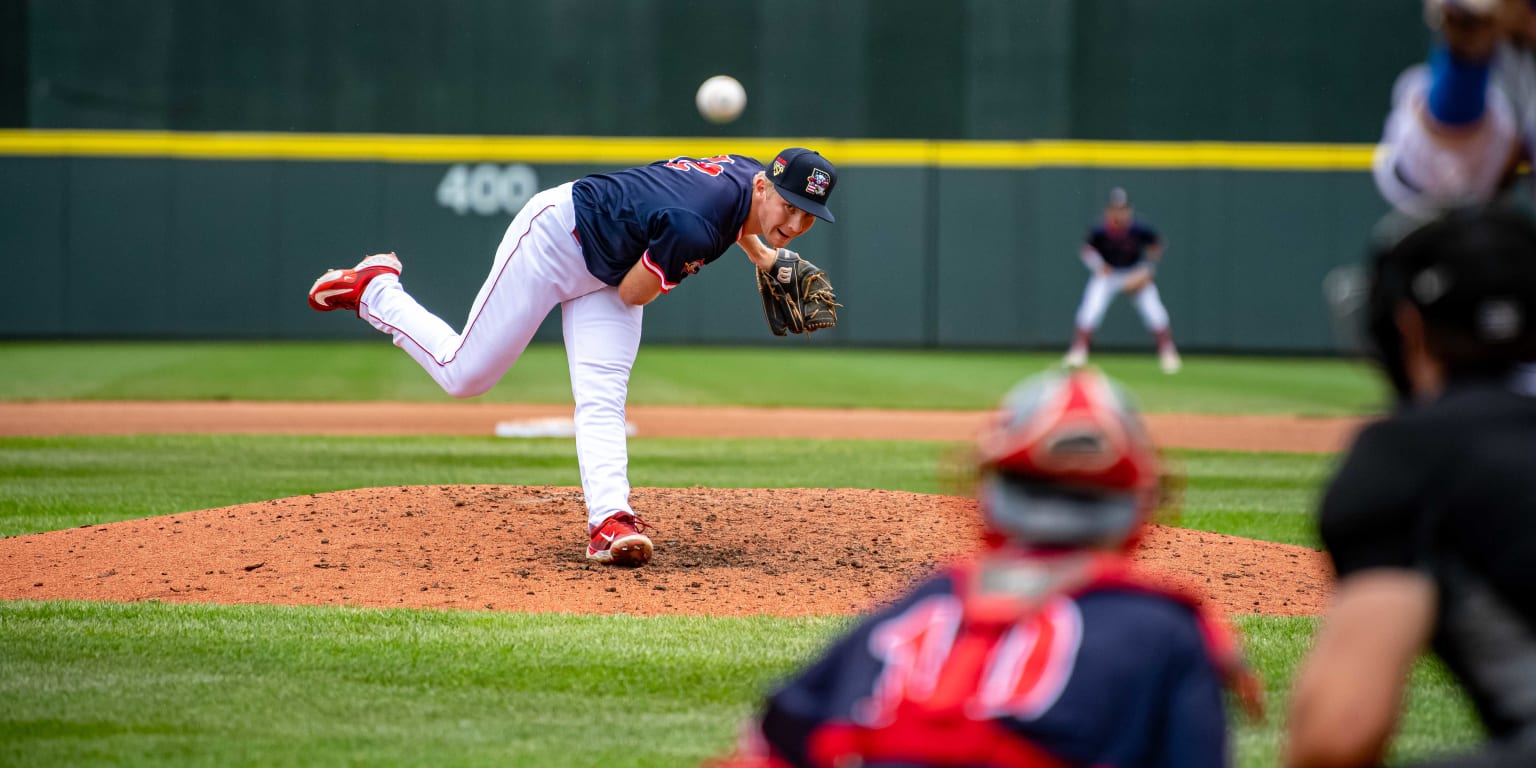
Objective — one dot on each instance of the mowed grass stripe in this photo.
(86, 684)
(777, 375)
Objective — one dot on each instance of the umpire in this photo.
(1431, 518)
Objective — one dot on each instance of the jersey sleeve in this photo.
(1095, 239)
(1369, 513)
(1420, 171)
(681, 242)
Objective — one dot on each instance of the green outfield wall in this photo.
(957, 244)
(184, 168)
(1167, 70)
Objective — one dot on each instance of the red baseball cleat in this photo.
(620, 541)
(343, 288)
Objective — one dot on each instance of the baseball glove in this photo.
(797, 297)
(1137, 280)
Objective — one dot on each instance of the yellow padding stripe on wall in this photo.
(623, 150)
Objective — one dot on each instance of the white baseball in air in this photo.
(721, 99)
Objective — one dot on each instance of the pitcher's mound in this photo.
(782, 552)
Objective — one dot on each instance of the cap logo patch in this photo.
(816, 183)
(778, 166)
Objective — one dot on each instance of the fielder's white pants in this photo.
(1101, 291)
(537, 266)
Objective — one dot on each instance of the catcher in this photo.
(1045, 651)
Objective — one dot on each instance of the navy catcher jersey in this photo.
(1114, 677)
(674, 216)
(1123, 248)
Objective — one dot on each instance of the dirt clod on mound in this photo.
(724, 552)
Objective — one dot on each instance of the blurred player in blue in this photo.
(1046, 649)
(1122, 253)
(1463, 122)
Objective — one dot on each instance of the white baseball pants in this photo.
(537, 266)
(1101, 291)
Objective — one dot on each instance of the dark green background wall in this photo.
(162, 247)
(954, 257)
(1252, 70)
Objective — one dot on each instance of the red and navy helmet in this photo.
(1066, 462)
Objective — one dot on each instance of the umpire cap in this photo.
(1471, 274)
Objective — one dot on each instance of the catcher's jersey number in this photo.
(487, 189)
(1022, 672)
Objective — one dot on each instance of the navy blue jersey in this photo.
(674, 216)
(1123, 248)
(1113, 676)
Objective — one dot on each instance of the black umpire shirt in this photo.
(1448, 488)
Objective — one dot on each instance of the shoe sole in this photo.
(319, 297)
(633, 550)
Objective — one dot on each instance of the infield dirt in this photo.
(781, 552)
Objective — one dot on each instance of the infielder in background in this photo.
(1122, 253)
(1431, 517)
(602, 248)
(1046, 650)
(1461, 124)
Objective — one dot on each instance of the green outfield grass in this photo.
(783, 374)
(188, 685)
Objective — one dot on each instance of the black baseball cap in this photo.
(1474, 272)
(1471, 273)
(805, 179)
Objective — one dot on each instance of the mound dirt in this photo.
(779, 552)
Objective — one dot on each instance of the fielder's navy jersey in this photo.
(1125, 247)
(674, 216)
(1110, 677)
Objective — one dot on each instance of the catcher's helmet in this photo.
(1066, 462)
(1471, 274)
